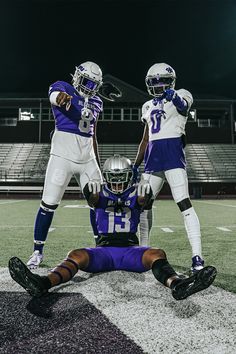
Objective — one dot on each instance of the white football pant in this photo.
(59, 173)
(178, 182)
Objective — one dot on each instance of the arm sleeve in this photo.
(183, 101)
(53, 98)
(187, 96)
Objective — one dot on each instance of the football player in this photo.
(162, 148)
(76, 108)
(117, 208)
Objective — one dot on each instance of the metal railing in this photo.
(207, 113)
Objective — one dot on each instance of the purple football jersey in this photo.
(71, 121)
(118, 216)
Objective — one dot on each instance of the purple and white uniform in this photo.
(117, 219)
(72, 138)
(165, 156)
(72, 151)
(165, 127)
(71, 121)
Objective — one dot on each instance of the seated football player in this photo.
(117, 206)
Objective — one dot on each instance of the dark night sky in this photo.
(42, 41)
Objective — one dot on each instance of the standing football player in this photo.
(74, 149)
(117, 209)
(162, 148)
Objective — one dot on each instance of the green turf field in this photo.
(71, 229)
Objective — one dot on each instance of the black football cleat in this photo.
(32, 283)
(197, 282)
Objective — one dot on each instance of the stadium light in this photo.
(25, 115)
(193, 114)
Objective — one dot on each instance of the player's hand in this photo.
(169, 94)
(94, 186)
(135, 169)
(144, 188)
(64, 99)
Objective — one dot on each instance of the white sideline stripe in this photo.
(117, 295)
(217, 204)
(223, 228)
(12, 202)
(166, 229)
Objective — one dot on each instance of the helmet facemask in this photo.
(118, 181)
(86, 86)
(87, 79)
(156, 85)
(118, 173)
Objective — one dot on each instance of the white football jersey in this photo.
(163, 119)
(72, 147)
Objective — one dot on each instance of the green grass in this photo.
(72, 230)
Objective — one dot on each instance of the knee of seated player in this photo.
(80, 256)
(151, 255)
(184, 204)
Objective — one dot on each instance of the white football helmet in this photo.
(118, 173)
(160, 76)
(87, 79)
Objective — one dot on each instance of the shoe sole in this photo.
(197, 282)
(23, 276)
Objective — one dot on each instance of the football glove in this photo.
(94, 186)
(179, 102)
(144, 188)
(169, 94)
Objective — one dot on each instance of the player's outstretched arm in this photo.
(64, 99)
(180, 103)
(60, 98)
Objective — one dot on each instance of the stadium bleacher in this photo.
(205, 162)
(23, 162)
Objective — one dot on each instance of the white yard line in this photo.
(12, 201)
(166, 229)
(216, 204)
(224, 229)
(169, 227)
(51, 229)
(30, 226)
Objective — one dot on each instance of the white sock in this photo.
(192, 227)
(145, 227)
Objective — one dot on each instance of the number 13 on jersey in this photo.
(119, 222)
